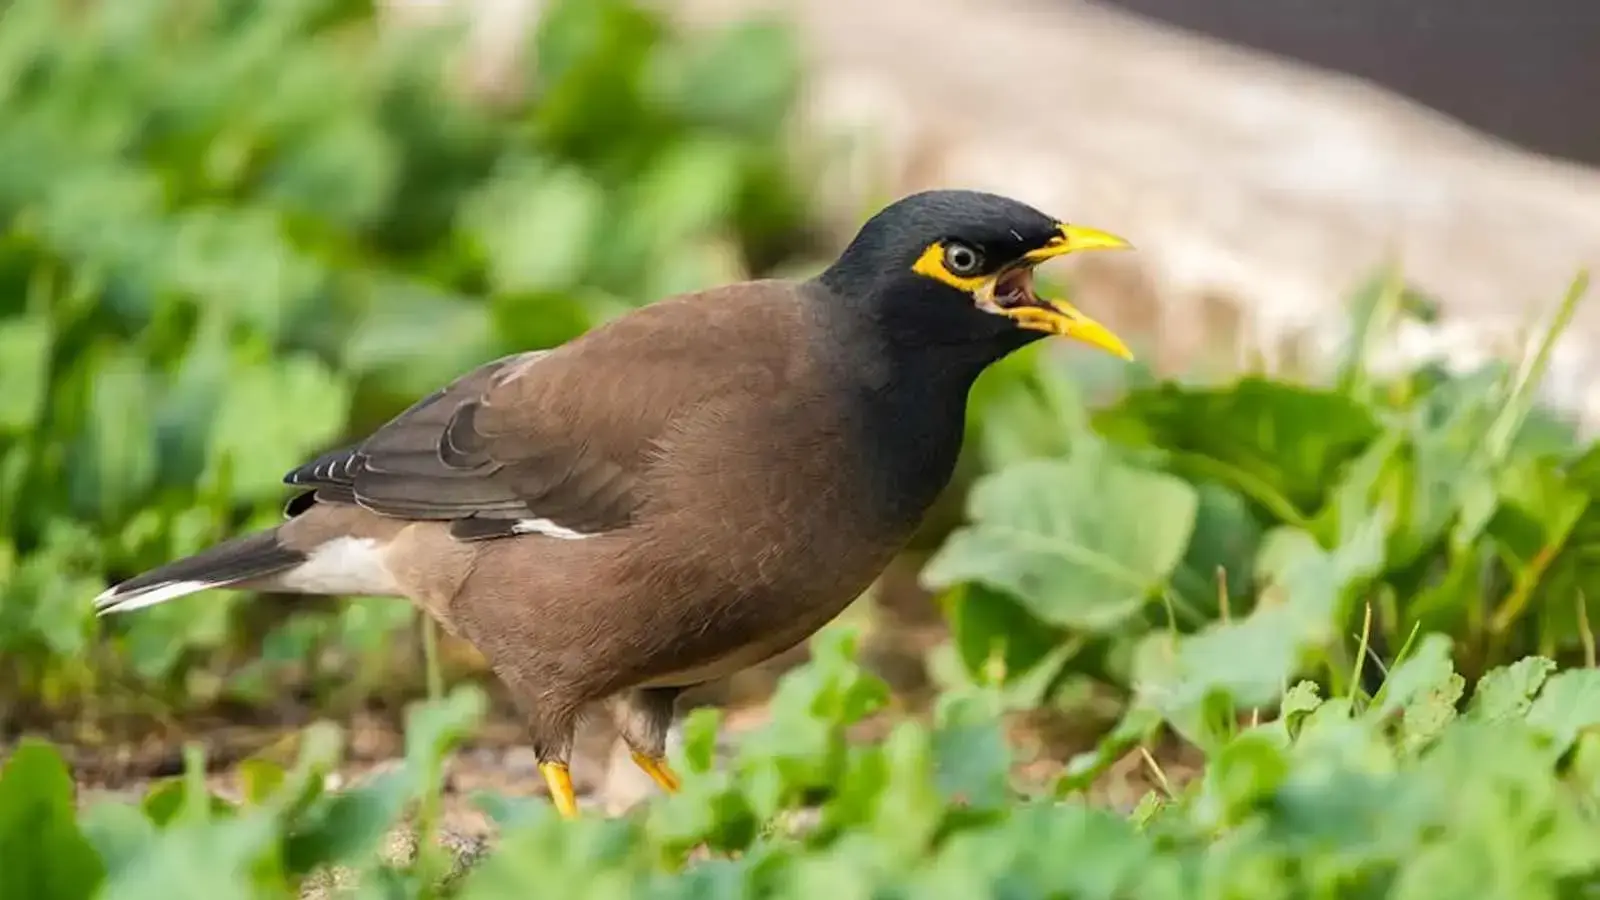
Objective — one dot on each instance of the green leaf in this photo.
(1428, 669)
(1547, 531)
(1276, 443)
(991, 631)
(417, 338)
(537, 224)
(44, 854)
(1137, 725)
(1506, 693)
(1023, 408)
(220, 860)
(1247, 771)
(434, 729)
(1569, 704)
(1083, 543)
(119, 832)
(271, 418)
(25, 346)
(259, 779)
(347, 827)
(114, 460)
(744, 77)
(1222, 551)
(1298, 702)
(1424, 690)
(1249, 660)
(972, 757)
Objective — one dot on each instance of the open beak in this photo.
(1010, 293)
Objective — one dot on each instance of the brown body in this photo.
(704, 566)
(683, 492)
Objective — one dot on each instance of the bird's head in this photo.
(953, 266)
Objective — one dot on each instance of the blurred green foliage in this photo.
(1244, 531)
(233, 232)
(1416, 791)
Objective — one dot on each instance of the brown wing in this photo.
(559, 441)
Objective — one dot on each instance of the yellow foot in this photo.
(658, 771)
(559, 780)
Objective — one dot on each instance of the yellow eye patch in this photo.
(931, 264)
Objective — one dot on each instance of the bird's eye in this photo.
(962, 260)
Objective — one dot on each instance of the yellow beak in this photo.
(1074, 238)
(1060, 317)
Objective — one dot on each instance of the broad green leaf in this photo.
(120, 833)
(802, 746)
(992, 631)
(1427, 670)
(972, 756)
(1246, 771)
(271, 418)
(1221, 553)
(433, 729)
(345, 171)
(537, 224)
(1249, 660)
(348, 826)
(239, 259)
(1022, 408)
(743, 77)
(1278, 444)
(1083, 543)
(42, 852)
(218, 860)
(416, 338)
(1297, 703)
(1569, 704)
(1506, 693)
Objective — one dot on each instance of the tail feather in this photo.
(238, 560)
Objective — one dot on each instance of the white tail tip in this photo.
(113, 601)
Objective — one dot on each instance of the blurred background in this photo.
(233, 234)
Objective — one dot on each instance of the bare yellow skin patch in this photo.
(1041, 314)
(931, 264)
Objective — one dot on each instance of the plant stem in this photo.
(430, 658)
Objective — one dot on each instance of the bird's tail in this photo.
(231, 563)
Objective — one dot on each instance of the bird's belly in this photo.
(744, 630)
(735, 661)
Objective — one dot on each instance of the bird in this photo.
(681, 492)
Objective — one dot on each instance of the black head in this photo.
(956, 267)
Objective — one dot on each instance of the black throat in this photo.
(902, 379)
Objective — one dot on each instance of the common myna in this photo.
(682, 492)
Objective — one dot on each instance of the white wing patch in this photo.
(548, 529)
(346, 565)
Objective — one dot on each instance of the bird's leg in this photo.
(643, 717)
(559, 780)
(551, 726)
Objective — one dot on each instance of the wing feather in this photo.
(529, 443)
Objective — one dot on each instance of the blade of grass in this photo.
(1519, 403)
(1361, 651)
